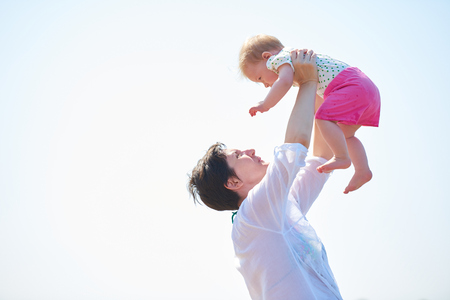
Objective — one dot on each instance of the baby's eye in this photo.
(259, 78)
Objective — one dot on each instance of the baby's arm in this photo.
(278, 90)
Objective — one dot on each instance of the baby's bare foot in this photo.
(333, 164)
(358, 179)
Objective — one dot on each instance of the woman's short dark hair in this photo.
(209, 178)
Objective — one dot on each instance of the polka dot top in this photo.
(327, 67)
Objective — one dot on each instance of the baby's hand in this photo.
(260, 107)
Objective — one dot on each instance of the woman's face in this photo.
(249, 168)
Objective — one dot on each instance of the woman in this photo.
(279, 253)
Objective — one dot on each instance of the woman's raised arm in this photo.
(302, 116)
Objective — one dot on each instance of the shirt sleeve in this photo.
(308, 184)
(275, 61)
(266, 202)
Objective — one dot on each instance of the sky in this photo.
(106, 106)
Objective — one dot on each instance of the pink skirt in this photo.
(351, 99)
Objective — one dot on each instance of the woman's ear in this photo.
(266, 55)
(234, 183)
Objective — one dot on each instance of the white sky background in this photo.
(105, 106)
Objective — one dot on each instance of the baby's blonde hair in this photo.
(253, 48)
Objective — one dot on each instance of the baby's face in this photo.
(259, 73)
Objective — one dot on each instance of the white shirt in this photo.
(277, 250)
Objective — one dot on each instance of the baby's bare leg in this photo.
(358, 157)
(335, 139)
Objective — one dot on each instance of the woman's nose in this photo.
(250, 152)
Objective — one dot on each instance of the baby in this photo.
(351, 100)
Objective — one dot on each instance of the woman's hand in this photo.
(304, 62)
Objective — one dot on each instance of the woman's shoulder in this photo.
(288, 157)
(290, 147)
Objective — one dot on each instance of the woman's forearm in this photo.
(302, 116)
